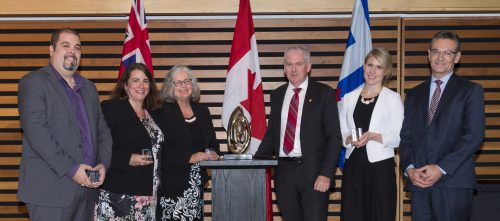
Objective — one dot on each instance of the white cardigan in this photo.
(387, 119)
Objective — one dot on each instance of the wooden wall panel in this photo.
(480, 38)
(120, 7)
(204, 45)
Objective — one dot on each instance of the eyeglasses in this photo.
(187, 82)
(446, 54)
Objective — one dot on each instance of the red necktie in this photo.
(291, 123)
(434, 101)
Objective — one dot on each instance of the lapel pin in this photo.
(310, 100)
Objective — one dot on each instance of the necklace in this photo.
(367, 100)
(190, 120)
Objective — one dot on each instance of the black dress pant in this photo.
(297, 199)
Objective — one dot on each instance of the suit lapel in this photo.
(377, 109)
(281, 98)
(201, 122)
(422, 103)
(309, 100)
(277, 108)
(181, 123)
(63, 97)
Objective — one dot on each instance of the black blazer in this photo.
(129, 136)
(175, 166)
(453, 136)
(320, 130)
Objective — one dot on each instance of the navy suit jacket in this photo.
(453, 136)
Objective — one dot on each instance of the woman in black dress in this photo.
(369, 177)
(191, 139)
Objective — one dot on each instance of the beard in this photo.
(70, 64)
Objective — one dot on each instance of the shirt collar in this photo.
(78, 79)
(303, 86)
(444, 79)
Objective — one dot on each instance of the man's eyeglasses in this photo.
(186, 82)
(445, 54)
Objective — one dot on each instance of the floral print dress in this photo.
(189, 206)
(186, 205)
(122, 207)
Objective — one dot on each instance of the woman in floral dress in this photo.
(130, 188)
(191, 140)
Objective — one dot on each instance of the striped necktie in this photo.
(434, 101)
(291, 123)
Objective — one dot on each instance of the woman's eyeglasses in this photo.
(186, 82)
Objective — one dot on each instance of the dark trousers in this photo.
(297, 199)
(441, 204)
(368, 189)
(81, 209)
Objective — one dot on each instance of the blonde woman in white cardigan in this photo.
(369, 177)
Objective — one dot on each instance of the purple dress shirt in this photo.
(78, 106)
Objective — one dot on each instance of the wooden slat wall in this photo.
(121, 7)
(204, 45)
(480, 62)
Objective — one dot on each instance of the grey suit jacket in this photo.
(52, 143)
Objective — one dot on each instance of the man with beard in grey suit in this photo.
(65, 136)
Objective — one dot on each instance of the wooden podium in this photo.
(239, 189)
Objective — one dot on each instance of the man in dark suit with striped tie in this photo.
(304, 134)
(443, 127)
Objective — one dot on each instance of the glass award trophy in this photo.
(356, 133)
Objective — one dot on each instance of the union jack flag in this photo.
(136, 48)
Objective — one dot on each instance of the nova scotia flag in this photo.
(359, 43)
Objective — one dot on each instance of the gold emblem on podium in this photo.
(238, 135)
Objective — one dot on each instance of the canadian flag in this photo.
(243, 81)
(244, 86)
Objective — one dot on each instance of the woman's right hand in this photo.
(139, 160)
(348, 140)
(198, 156)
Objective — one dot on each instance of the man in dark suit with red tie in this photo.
(443, 127)
(304, 134)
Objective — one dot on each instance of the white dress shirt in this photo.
(445, 80)
(296, 152)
